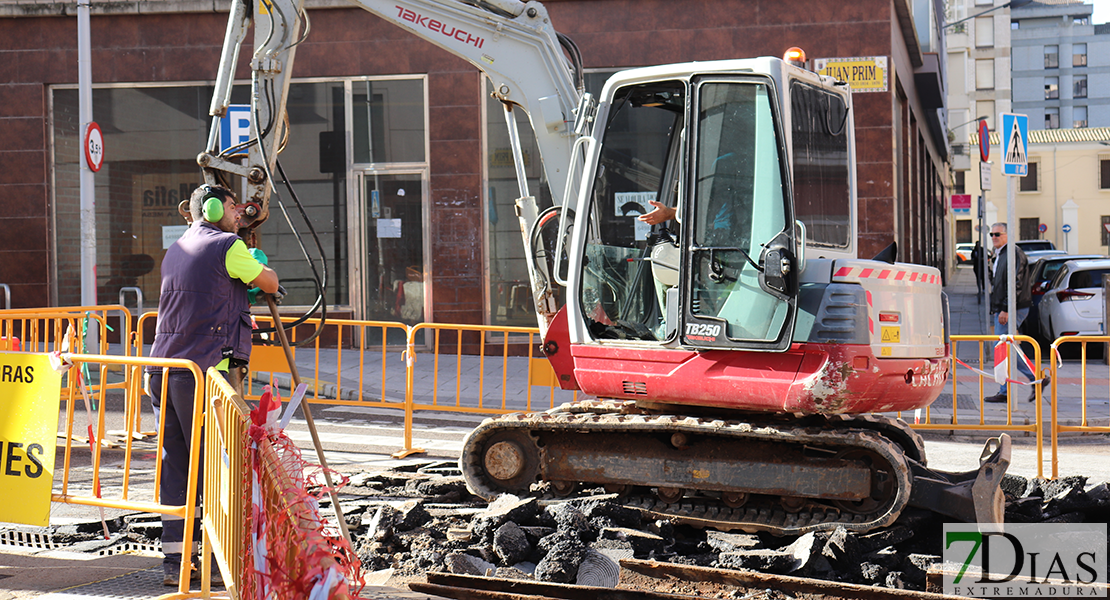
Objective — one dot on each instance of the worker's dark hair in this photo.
(204, 192)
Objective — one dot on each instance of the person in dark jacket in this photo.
(999, 300)
(203, 316)
(977, 266)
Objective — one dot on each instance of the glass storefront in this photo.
(152, 135)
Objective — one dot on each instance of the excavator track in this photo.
(782, 476)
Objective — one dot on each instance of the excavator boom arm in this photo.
(511, 42)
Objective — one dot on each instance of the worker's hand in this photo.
(657, 216)
(1003, 318)
(254, 293)
(259, 255)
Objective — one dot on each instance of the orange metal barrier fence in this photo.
(429, 366)
(301, 552)
(133, 397)
(975, 418)
(1085, 418)
(225, 524)
(441, 369)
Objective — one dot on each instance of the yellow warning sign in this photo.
(891, 335)
(861, 73)
(29, 400)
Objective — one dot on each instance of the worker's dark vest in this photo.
(203, 313)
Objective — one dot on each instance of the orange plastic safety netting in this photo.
(292, 553)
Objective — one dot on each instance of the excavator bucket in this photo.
(974, 496)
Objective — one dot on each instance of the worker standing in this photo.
(203, 316)
(999, 300)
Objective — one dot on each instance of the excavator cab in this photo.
(722, 273)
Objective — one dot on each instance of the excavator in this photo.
(737, 355)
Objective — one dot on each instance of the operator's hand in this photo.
(254, 293)
(259, 255)
(657, 216)
(1003, 318)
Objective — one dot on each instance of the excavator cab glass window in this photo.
(638, 163)
(819, 135)
(742, 281)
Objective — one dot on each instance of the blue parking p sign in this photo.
(1015, 144)
(235, 126)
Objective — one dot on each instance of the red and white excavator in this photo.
(738, 354)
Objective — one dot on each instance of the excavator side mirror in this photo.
(776, 264)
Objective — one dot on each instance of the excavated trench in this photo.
(418, 520)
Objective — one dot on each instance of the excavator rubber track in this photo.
(779, 475)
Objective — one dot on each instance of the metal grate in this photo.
(638, 388)
(132, 547)
(38, 540)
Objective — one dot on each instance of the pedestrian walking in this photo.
(977, 266)
(999, 300)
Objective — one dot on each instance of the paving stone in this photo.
(643, 543)
(729, 542)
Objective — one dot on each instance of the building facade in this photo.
(1061, 77)
(396, 152)
(1066, 191)
(978, 86)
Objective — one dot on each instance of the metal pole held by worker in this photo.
(279, 329)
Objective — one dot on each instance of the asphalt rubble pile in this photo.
(441, 527)
(413, 520)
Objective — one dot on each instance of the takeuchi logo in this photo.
(439, 27)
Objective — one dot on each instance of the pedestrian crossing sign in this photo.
(1015, 144)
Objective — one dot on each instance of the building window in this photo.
(1052, 118)
(1079, 55)
(958, 183)
(984, 74)
(1081, 21)
(1079, 117)
(152, 133)
(1051, 57)
(986, 109)
(1079, 87)
(1029, 228)
(1029, 182)
(1051, 88)
(984, 32)
(1104, 173)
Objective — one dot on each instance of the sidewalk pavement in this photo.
(966, 318)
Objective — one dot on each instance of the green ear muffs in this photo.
(213, 210)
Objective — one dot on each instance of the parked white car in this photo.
(963, 253)
(1072, 304)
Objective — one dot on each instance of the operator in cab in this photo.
(203, 316)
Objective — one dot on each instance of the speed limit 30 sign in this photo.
(94, 147)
